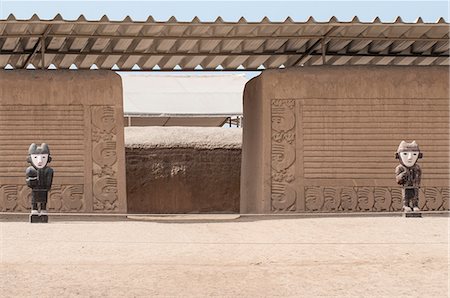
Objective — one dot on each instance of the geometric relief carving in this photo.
(105, 193)
(366, 198)
(434, 198)
(314, 198)
(445, 199)
(283, 193)
(104, 157)
(329, 198)
(348, 199)
(332, 199)
(23, 198)
(61, 198)
(67, 198)
(383, 199)
(397, 199)
(8, 197)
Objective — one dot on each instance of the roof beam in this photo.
(42, 52)
(39, 43)
(314, 46)
(177, 54)
(259, 37)
(380, 55)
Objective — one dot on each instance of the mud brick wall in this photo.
(322, 139)
(79, 114)
(183, 180)
(183, 169)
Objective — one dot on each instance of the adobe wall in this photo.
(183, 180)
(183, 170)
(322, 139)
(80, 115)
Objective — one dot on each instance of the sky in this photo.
(366, 10)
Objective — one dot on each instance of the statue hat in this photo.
(404, 146)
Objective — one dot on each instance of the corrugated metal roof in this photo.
(218, 45)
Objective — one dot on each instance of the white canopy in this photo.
(183, 95)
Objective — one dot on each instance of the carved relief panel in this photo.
(62, 198)
(317, 153)
(104, 157)
(69, 153)
(80, 115)
(334, 199)
(63, 128)
(283, 192)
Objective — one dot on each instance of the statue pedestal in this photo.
(38, 218)
(412, 214)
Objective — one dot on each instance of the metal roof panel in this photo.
(144, 44)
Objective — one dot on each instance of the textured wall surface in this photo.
(183, 180)
(183, 169)
(80, 115)
(323, 139)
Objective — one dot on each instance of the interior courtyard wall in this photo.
(183, 180)
(79, 114)
(323, 138)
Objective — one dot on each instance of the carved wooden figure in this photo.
(39, 177)
(408, 174)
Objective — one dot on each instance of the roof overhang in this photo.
(172, 45)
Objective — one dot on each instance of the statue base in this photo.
(38, 218)
(412, 214)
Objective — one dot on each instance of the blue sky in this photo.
(430, 11)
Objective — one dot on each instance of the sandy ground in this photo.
(249, 257)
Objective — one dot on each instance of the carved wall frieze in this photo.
(434, 198)
(80, 116)
(9, 197)
(334, 199)
(284, 180)
(104, 157)
(283, 193)
(61, 198)
(317, 142)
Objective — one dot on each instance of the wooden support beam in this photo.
(43, 52)
(36, 46)
(260, 37)
(313, 47)
(324, 58)
(250, 54)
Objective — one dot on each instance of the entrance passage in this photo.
(183, 169)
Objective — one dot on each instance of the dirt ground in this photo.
(247, 257)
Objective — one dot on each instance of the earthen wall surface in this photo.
(322, 139)
(183, 180)
(80, 115)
